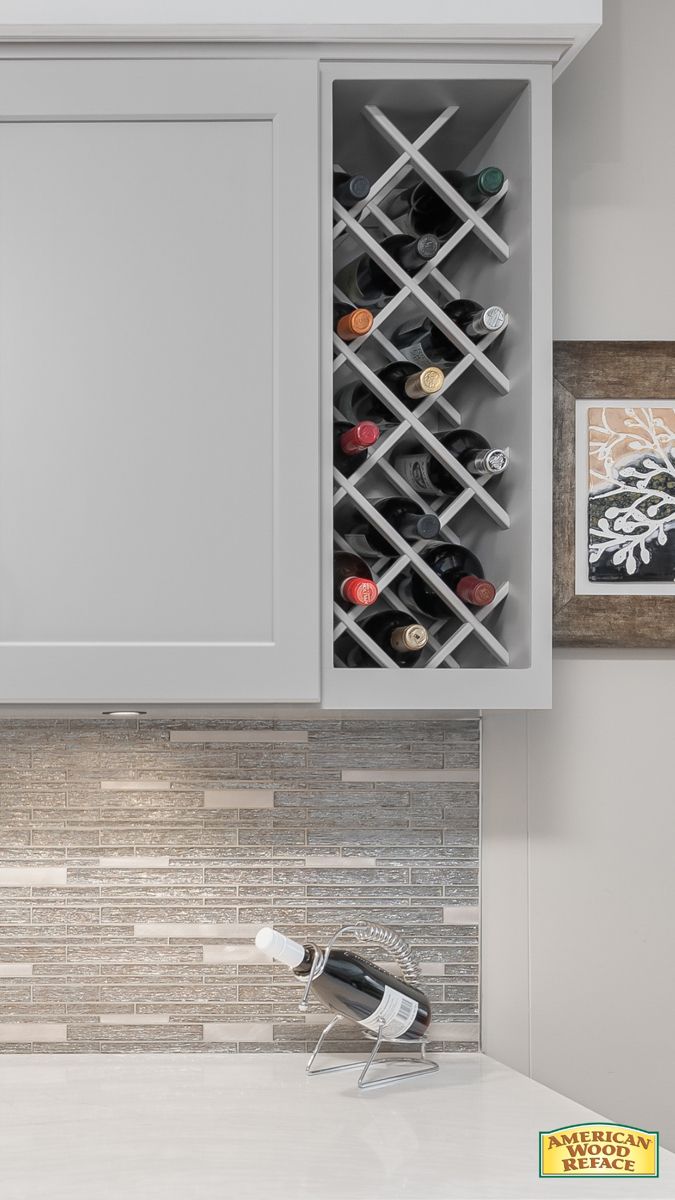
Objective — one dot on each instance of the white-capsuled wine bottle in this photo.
(355, 988)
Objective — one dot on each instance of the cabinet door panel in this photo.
(157, 439)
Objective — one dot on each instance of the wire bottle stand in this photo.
(377, 935)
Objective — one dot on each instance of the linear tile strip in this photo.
(236, 1031)
(29, 1031)
(178, 929)
(237, 736)
(135, 785)
(33, 877)
(409, 775)
(239, 798)
(135, 862)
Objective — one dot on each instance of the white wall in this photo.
(614, 180)
(582, 798)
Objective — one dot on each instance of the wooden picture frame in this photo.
(601, 371)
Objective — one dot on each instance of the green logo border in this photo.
(607, 1125)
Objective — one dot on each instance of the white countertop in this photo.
(254, 1127)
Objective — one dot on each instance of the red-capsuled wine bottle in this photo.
(349, 189)
(406, 516)
(395, 631)
(459, 569)
(368, 284)
(356, 401)
(353, 581)
(426, 474)
(355, 988)
(352, 443)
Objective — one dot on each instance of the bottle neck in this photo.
(359, 437)
(424, 383)
(304, 967)
(408, 639)
(414, 254)
(473, 590)
(487, 462)
(359, 591)
(488, 320)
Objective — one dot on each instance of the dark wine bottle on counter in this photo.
(399, 636)
(410, 385)
(459, 569)
(426, 212)
(406, 516)
(426, 474)
(368, 285)
(355, 988)
(349, 189)
(351, 323)
(353, 580)
(352, 443)
(426, 345)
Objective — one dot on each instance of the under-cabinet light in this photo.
(124, 712)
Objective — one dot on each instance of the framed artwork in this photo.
(614, 494)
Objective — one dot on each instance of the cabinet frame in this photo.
(485, 687)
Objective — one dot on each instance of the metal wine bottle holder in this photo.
(376, 935)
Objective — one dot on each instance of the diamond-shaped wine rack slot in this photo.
(349, 223)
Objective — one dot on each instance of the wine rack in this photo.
(405, 147)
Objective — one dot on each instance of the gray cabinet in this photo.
(168, 365)
(158, 371)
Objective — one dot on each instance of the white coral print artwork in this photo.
(631, 503)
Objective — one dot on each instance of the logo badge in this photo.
(598, 1149)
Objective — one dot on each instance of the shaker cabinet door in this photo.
(158, 381)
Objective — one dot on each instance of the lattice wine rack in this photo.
(358, 226)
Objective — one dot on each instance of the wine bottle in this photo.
(406, 516)
(399, 636)
(426, 345)
(356, 401)
(367, 283)
(349, 189)
(353, 581)
(352, 443)
(426, 212)
(459, 569)
(355, 988)
(426, 474)
(351, 323)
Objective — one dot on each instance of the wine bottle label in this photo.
(395, 1013)
(415, 353)
(415, 470)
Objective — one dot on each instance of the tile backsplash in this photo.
(139, 859)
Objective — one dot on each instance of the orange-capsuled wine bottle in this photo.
(351, 323)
